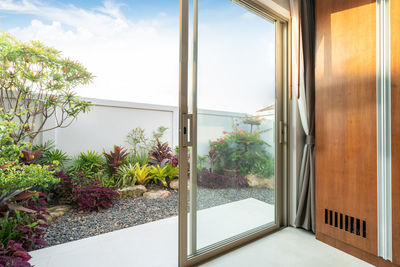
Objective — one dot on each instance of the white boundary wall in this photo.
(109, 122)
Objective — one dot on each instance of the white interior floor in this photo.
(156, 243)
(289, 247)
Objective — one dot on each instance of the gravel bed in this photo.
(134, 211)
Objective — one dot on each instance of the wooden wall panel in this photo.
(346, 148)
(395, 69)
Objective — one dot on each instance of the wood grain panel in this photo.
(346, 149)
(395, 69)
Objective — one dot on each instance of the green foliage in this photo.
(139, 141)
(9, 151)
(15, 177)
(159, 174)
(142, 158)
(90, 163)
(36, 81)
(143, 174)
(106, 180)
(172, 172)
(51, 155)
(126, 176)
(55, 158)
(8, 224)
(242, 151)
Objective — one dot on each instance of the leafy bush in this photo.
(218, 181)
(90, 195)
(141, 158)
(13, 255)
(241, 151)
(115, 158)
(89, 163)
(142, 174)
(19, 219)
(14, 177)
(54, 158)
(126, 176)
(9, 151)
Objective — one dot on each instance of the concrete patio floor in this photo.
(155, 243)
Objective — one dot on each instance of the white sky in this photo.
(137, 59)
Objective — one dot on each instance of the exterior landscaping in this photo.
(48, 197)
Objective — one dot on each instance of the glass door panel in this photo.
(232, 161)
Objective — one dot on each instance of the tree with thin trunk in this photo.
(36, 84)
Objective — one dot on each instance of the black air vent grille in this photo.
(345, 222)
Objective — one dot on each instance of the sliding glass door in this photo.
(232, 127)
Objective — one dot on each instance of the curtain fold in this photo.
(305, 215)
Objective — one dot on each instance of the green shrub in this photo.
(9, 151)
(126, 176)
(89, 163)
(242, 151)
(14, 177)
(141, 157)
(172, 172)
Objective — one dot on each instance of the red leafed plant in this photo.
(161, 155)
(29, 158)
(90, 195)
(115, 158)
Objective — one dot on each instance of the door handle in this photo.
(187, 130)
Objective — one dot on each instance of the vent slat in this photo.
(347, 223)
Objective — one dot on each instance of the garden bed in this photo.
(130, 212)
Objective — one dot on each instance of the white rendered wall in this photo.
(109, 122)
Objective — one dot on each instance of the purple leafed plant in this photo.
(90, 195)
(218, 181)
(14, 255)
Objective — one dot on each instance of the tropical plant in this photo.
(89, 163)
(37, 84)
(90, 195)
(139, 142)
(15, 177)
(54, 158)
(115, 158)
(7, 201)
(172, 172)
(106, 180)
(29, 157)
(159, 174)
(140, 157)
(161, 155)
(142, 174)
(126, 176)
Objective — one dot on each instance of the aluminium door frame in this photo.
(188, 134)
